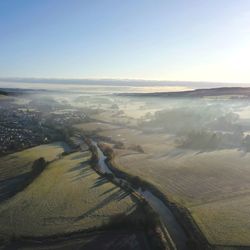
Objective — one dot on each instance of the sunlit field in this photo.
(16, 167)
(195, 152)
(124, 125)
(68, 196)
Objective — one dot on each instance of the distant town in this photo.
(24, 125)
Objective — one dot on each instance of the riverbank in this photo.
(152, 218)
(184, 231)
(69, 198)
(175, 232)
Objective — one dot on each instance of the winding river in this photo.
(174, 229)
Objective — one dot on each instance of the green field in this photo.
(225, 222)
(16, 167)
(214, 186)
(20, 162)
(67, 196)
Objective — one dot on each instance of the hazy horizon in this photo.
(124, 124)
(184, 41)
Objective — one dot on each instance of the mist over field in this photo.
(204, 124)
(124, 125)
(188, 150)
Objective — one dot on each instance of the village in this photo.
(24, 126)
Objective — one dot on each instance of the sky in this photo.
(178, 40)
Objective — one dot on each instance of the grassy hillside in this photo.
(67, 196)
(15, 168)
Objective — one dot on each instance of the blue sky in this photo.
(135, 39)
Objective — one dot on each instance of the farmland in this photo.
(196, 182)
(51, 196)
(68, 196)
(210, 180)
(14, 168)
(192, 152)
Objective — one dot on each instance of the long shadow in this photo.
(132, 208)
(10, 186)
(82, 175)
(118, 196)
(123, 195)
(80, 166)
(100, 181)
(109, 190)
(176, 153)
(77, 157)
(82, 170)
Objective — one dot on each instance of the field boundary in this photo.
(183, 215)
(167, 240)
(197, 239)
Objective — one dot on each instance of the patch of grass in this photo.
(225, 221)
(19, 163)
(17, 170)
(66, 197)
(208, 184)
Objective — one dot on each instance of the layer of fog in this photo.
(197, 124)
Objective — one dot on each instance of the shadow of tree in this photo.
(109, 190)
(81, 170)
(10, 186)
(100, 181)
(116, 196)
(80, 166)
(77, 157)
